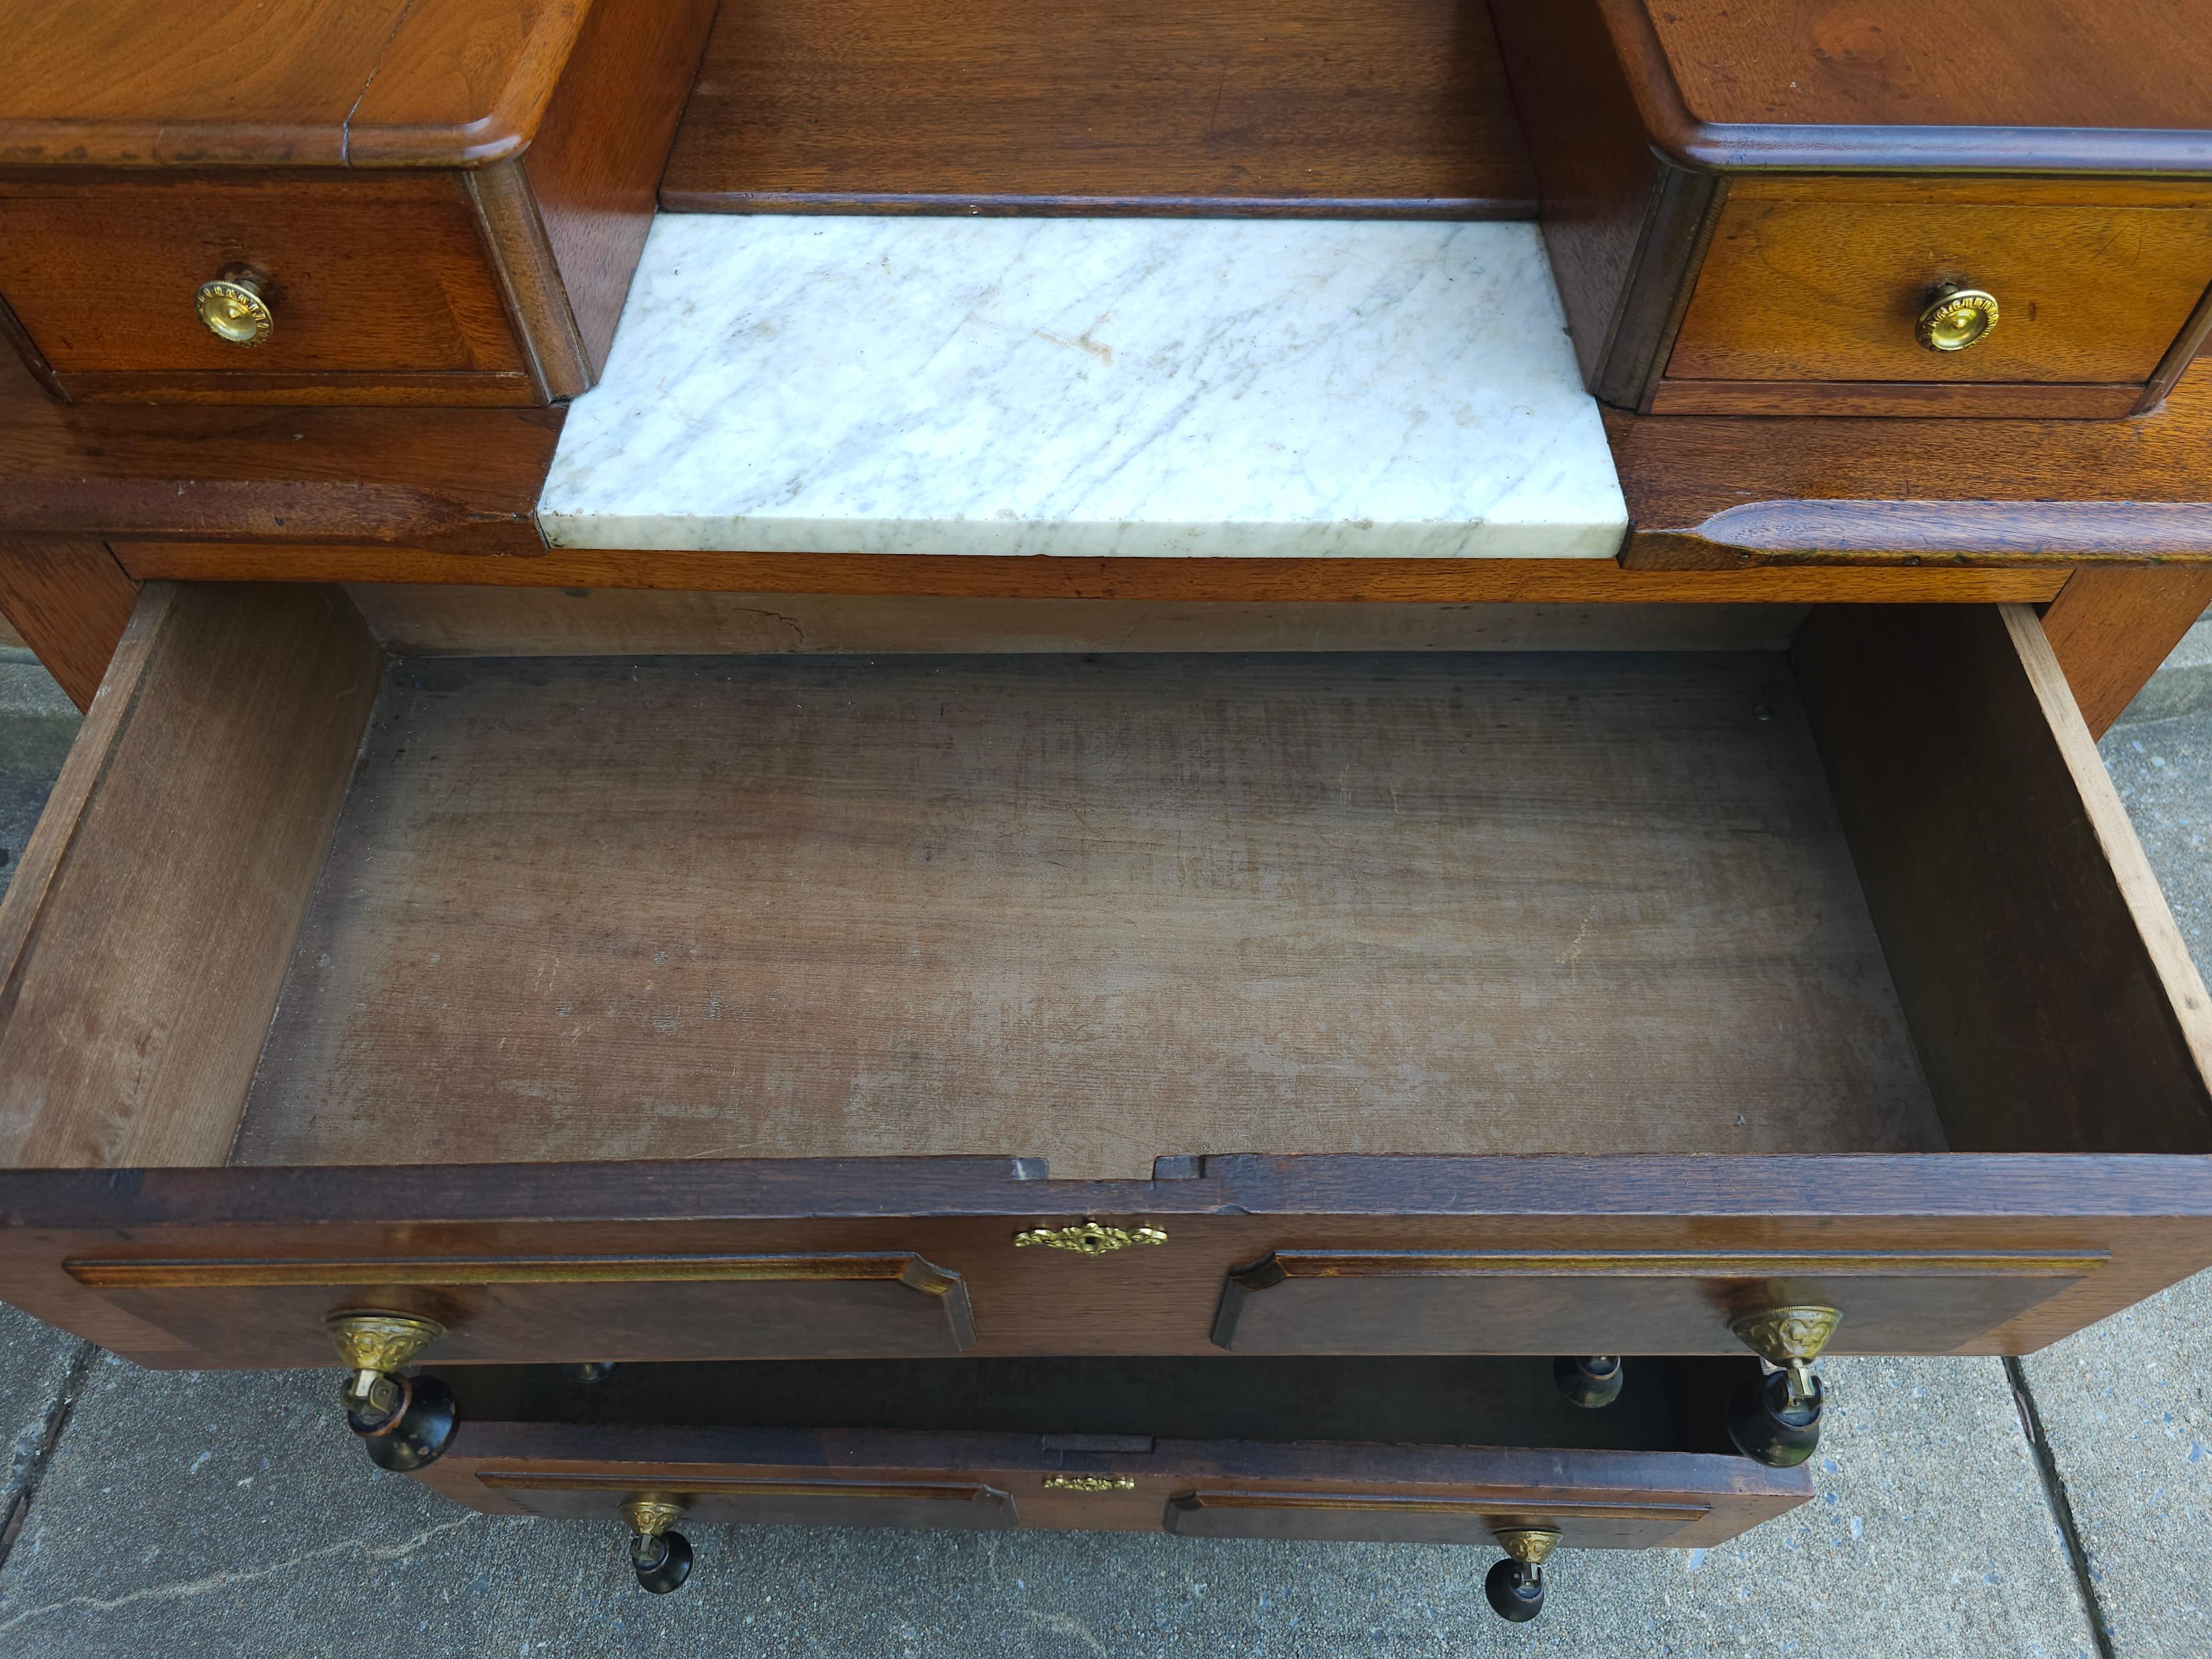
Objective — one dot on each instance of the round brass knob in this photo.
(1957, 317)
(231, 307)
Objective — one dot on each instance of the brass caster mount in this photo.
(1515, 1585)
(660, 1558)
(1776, 1419)
(1590, 1380)
(404, 1422)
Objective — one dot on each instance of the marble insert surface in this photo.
(1089, 387)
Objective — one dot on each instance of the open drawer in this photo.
(1389, 1450)
(697, 1007)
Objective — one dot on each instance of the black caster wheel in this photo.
(1516, 1590)
(1773, 1426)
(662, 1562)
(412, 1430)
(1588, 1380)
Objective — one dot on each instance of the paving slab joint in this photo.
(2062, 1507)
(82, 1361)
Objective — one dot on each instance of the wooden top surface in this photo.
(1280, 106)
(2121, 84)
(319, 82)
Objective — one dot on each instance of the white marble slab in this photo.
(1092, 386)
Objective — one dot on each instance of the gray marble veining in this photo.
(1089, 387)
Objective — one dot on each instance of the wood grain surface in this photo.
(143, 937)
(1811, 289)
(69, 602)
(2151, 1213)
(330, 82)
(1089, 911)
(2111, 630)
(1389, 107)
(2005, 878)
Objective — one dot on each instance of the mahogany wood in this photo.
(1810, 289)
(1389, 107)
(143, 936)
(642, 1307)
(2154, 1214)
(2111, 630)
(1304, 1301)
(2001, 867)
(1384, 581)
(726, 1497)
(359, 83)
(69, 602)
(1734, 493)
(2025, 401)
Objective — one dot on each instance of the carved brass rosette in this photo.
(1528, 1544)
(1089, 1483)
(649, 1514)
(1089, 1239)
(1957, 317)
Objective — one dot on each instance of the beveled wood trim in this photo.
(1504, 1510)
(531, 290)
(1685, 210)
(1991, 532)
(2006, 400)
(2186, 344)
(13, 331)
(448, 389)
(738, 1485)
(1919, 189)
(1278, 1266)
(986, 206)
(161, 1274)
(1681, 136)
(1272, 580)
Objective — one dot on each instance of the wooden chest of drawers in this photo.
(407, 204)
(1809, 208)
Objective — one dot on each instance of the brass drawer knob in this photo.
(1957, 317)
(233, 308)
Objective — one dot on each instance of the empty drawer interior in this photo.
(301, 902)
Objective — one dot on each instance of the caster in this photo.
(1776, 1419)
(595, 1370)
(1589, 1381)
(660, 1558)
(404, 1422)
(1515, 1585)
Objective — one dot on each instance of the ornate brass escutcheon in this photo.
(1089, 1483)
(1957, 317)
(1788, 1339)
(374, 1346)
(1515, 1585)
(231, 307)
(1530, 1546)
(660, 1558)
(1089, 1239)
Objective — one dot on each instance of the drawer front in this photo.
(1206, 1489)
(1831, 292)
(1626, 1301)
(574, 1309)
(378, 289)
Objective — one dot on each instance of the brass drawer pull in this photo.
(233, 307)
(1957, 317)
(1089, 1239)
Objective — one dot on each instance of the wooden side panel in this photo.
(1342, 1517)
(2111, 630)
(145, 937)
(594, 168)
(2054, 1004)
(69, 602)
(562, 1309)
(716, 1498)
(1304, 1301)
(1264, 106)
